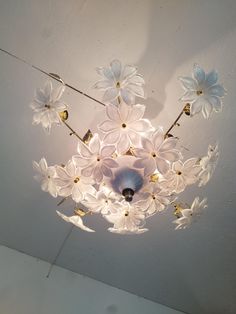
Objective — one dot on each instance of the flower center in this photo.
(117, 84)
(154, 155)
(47, 106)
(153, 197)
(126, 214)
(199, 92)
(98, 158)
(76, 180)
(123, 125)
(178, 173)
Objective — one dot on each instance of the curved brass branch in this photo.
(185, 110)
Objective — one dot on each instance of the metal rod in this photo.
(175, 122)
(72, 130)
(52, 76)
(59, 251)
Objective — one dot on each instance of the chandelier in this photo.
(129, 170)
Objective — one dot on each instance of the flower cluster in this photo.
(126, 149)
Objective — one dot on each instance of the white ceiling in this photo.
(191, 270)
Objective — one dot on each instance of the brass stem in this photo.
(176, 120)
(72, 131)
(58, 79)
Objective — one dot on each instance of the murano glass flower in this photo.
(120, 82)
(47, 106)
(128, 170)
(202, 92)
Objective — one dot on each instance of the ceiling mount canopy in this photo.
(129, 170)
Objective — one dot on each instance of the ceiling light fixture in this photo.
(129, 170)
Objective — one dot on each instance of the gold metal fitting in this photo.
(154, 178)
(177, 211)
(88, 136)
(187, 109)
(79, 211)
(64, 115)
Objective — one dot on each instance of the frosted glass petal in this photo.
(108, 125)
(57, 93)
(158, 138)
(196, 106)
(97, 174)
(41, 97)
(199, 74)
(48, 89)
(87, 172)
(168, 144)
(188, 83)
(139, 152)
(124, 112)
(108, 150)
(65, 191)
(75, 220)
(43, 164)
(128, 71)
(83, 150)
(106, 71)
(141, 125)
(216, 102)
(95, 144)
(189, 96)
(106, 171)
(170, 155)
(127, 96)
(76, 194)
(217, 90)
(70, 168)
(116, 69)
(112, 137)
(162, 165)
(136, 90)
(137, 80)
(113, 113)
(136, 113)
(62, 174)
(123, 145)
(110, 94)
(103, 84)
(135, 138)
(80, 161)
(147, 145)
(111, 163)
(206, 110)
(211, 78)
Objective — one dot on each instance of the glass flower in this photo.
(70, 182)
(189, 215)
(75, 220)
(123, 82)
(47, 106)
(124, 126)
(208, 164)
(202, 92)
(127, 219)
(95, 159)
(156, 153)
(46, 175)
(104, 201)
(181, 175)
(154, 199)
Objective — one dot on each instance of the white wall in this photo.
(24, 289)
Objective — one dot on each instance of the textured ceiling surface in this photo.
(191, 270)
